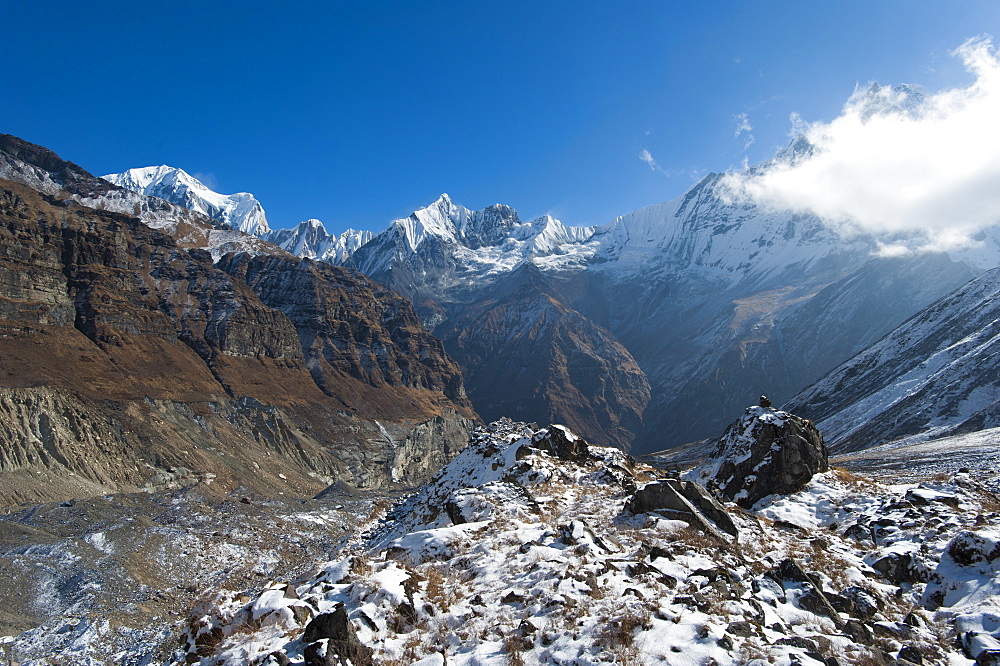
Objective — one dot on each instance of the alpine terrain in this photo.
(226, 444)
(680, 312)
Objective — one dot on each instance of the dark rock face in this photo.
(341, 641)
(765, 452)
(350, 325)
(528, 355)
(130, 362)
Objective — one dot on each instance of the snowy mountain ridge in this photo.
(479, 244)
(240, 211)
(192, 229)
(311, 240)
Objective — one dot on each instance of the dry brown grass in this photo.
(852, 480)
(514, 647)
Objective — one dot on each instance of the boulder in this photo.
(969, 548)
(560, 441)
(767, 451)
(911, 654)
(902, 568)
(856, 602)
(341, 640)
(688, 498)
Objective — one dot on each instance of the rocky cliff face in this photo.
(127, 362)
(527, 353)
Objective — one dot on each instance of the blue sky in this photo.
(358, 113)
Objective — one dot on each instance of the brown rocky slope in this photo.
(127, 362)
(526, 352)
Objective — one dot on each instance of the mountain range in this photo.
(191, 413)
(678, 312)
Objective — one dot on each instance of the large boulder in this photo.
(341, 641)
(559, 441)
(767, 451)
(686, 499)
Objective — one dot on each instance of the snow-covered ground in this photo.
(108, 580)
(978, 452)
(512, 555)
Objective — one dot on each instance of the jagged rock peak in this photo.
(766, 451)
(310, 239)
(241, 211)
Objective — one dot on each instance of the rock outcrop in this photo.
(685, 500)
(130, 362)
(767, 451)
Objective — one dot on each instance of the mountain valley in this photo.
(226, 444)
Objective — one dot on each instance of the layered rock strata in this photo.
(129, 362)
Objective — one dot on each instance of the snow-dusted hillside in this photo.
(240, 211)
(935, 374)
(518, 555)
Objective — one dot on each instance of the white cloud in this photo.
(743, 126)
(920, 171)
(208, 180)
(647, 157)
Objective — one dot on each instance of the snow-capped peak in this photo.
(442, 219)
(310, 239)
(240, 211)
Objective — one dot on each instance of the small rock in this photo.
(855, 601)
(896, 630)
(302, 614)
(790, 571)
(742, 628)
(575, 532)
(988, 658)
(911, 654)
(512, 598)
(902, 568)
(860, 533)
(859, 632)
(799, 642)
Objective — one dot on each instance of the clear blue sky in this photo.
(358, 113)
